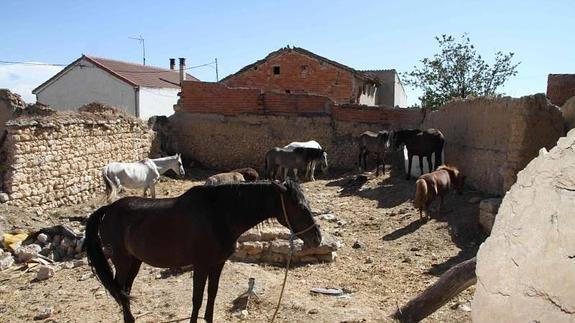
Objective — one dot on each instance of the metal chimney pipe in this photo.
(172, 64)
(182, 69)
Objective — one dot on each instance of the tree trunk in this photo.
(451, 283)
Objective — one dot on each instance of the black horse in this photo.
(421, 143)
(203, 225)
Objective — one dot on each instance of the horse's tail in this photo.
(110, 188)
(420, 195)
(96, 258)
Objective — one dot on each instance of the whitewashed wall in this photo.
(157, 102)
(83, 85)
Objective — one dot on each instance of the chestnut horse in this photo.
(438, 183)
(199, 228)
(422, 143)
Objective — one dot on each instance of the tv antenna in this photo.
(141, 41)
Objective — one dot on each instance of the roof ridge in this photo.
(131, 63)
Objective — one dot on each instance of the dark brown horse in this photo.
(438, 183)
(199, 228)
(374, 143)
(423, 144)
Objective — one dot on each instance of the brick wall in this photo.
(560, 87)
(56, 160)
(299, 73)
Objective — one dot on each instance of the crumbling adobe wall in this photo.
(492, 139)
(560, 87)
(526, 268)
(226, 142)
(56, 159)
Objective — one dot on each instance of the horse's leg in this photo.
(410, 157)
(123, 267)
(359, 159)
(213, 282)
(429, 164)
(377, 164)
(132, 273)
(200, 277)
(286, 170)
(153, 190)
(420, 164)
(295, 174)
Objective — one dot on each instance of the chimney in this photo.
(172, 64)
(182, 69)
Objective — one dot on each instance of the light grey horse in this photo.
(143, 174)
(278, 159)
(314, 153)
(377, 143)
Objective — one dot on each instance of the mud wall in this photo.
(492, 139)
(227, 142)
(56, 159)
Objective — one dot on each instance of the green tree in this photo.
(458, 71)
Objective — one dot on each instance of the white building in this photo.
(140, 90)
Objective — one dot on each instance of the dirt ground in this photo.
(399, 257)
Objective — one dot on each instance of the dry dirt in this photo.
(399, 258)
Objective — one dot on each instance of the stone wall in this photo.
(526, 268)
(56, 159)
(226, 142)
(491, 139)
(10, 103)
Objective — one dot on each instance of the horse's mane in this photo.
(450, 169)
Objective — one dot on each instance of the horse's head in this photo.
(455, 176)
(459, 183)
(179, 168)
(296, 213)
(385, 138)
(399, 139)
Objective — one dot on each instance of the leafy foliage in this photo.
(459, 71)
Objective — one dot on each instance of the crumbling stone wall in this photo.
(10, 103)
(54, 160)
(492, 139)
(526, 268)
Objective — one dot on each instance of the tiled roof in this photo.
(306, 52)
(142, 75)
(131, 73)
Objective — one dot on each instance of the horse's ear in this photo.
(281, 187)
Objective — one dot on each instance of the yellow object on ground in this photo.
(11, 240)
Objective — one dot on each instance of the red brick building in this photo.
(560, 87)
(296, 70)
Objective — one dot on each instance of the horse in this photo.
(143, 174)
(421, 143)
(278, 159)
(438, 183)
(377, 143)
(249, 173)
(203, 223)
(316, 154)
(223, 178)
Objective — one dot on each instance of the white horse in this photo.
(143, 174)
(310, 168)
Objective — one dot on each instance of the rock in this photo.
(43, 313)
(6, 260)
(4, 197)
(487, 211)
(464, 307)
(80, 263)
(526, 267)
(358, 244)
(328, 217)
(86, 276)
(341, 223)
(313, 311)
(43, 238)
(44, 272)
(28, 252)
(369, 260)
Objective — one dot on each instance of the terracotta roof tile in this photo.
(142, 75)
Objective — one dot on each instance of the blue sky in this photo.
(363, 35)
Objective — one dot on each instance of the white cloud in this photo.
(22, 79)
